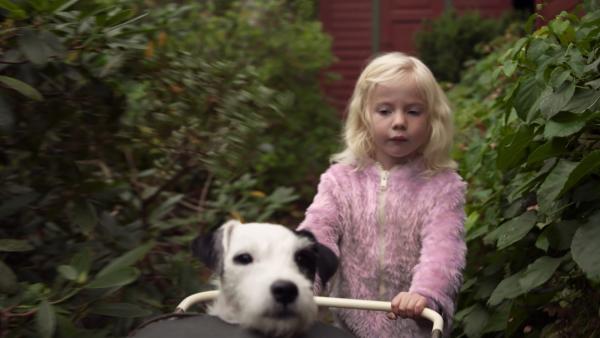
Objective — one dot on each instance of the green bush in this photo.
(529, 146)
(128, 126)
(446, 43)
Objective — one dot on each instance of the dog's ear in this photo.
(210, 247)
(327, 261)
(207, 248)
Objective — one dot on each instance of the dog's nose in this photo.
(284, 291)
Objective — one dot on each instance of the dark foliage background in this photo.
(127, 127)
(528, 116)
(450, 42)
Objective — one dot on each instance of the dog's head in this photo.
(266, 273)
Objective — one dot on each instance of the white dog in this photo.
(265, 274)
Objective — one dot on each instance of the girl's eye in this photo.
(414, 110)
(243, 259)
(383, 110)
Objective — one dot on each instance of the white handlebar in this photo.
(358, 304)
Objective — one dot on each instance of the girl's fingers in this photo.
(396, 302)
(404, 306)
(420, 306)
(411, 303)
(408, 305)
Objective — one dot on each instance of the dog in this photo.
(265, 273)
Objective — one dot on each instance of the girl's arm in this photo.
(438, 275)
(322, 217)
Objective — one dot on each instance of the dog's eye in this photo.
(243, 259)
(305, 258)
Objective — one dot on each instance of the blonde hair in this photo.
(397, 66)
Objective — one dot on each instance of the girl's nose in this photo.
(399, 121)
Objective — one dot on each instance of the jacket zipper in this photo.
(381, 194)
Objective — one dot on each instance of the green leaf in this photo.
(54, 47)
(8, 279)
(499, 318)
(14, 245)
(538, 272)
(582, 100)
(518, 46)
(526, 101)
(585, 248)
(558, 26)
(559, 76)
(21, 87)
(15, 11)
(512, 148)
(552, 148)
(68, 272)
(568, 36)
(576, 61)
(45, 319)
(553, 184)
(592, 67)
(594, 83)
(33, 47)
(82, 262)
(563, 126)
(127, 259)
(120, 310)
(126, 23)
(165, 208)
(509, 67)
(84, 214)
(588, 165)
(560, 235)
(512, 231)
(118, 17)
(542, 243)
(537, 48)
(551, 102)
(476, 233)
(475, 321)
(509, 288)
(61, 6)
(115, 278)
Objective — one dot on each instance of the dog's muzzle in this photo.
(284, 291)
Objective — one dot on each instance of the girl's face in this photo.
(399, 121)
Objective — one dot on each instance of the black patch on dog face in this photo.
(306, 259)
(327, 263)
(326, 260)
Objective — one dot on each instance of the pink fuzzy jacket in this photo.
(393, 231)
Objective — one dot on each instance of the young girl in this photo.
(392, 206)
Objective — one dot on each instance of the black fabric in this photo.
(205, 326)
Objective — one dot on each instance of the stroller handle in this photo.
(358, 304)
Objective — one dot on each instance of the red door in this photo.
(349, 24)
(400, 19)
(352, 23)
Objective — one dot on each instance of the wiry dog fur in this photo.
(265, 274)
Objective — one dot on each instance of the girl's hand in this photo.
(407, 305)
